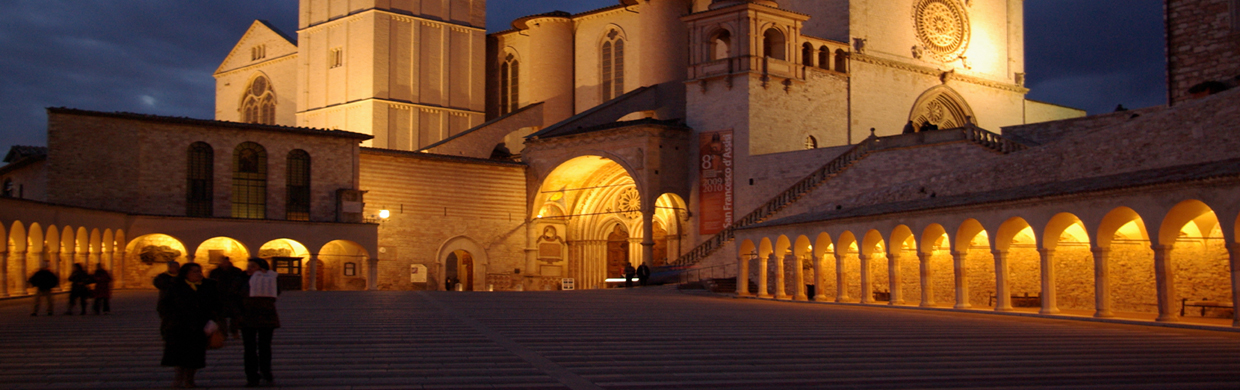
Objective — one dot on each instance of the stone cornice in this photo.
(395, 104)
(394, 15)
(944, 75)
(279, 59)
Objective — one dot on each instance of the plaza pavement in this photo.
(619, 339)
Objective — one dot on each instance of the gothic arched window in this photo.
(510, 86)
(811, 143)
(199, 190)
(721, 46)
(259, 103)
(249, 195)
(613, 65)
(773, 44)
(298, 185)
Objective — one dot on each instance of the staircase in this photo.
(831, 169)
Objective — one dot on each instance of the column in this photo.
(531, 250)
(312, 279)
(781, 282)
(742, 276)
(23, 273)
(372, 275)
(1164, 278)
(841, 276)
(4, 274)
(799, 270)
(119, 272)
(820, 280)
(893, 276)
(867, 291)
(1102, 283)
(92, 261)
(647, 236)
(763, 264)
(1233, 252)
(109, 258)
(927, 286)
(1003, 294)
(1048, 282)
(64, 265)
(962, 280)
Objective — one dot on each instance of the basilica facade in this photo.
(867, 150)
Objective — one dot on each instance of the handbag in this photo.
(216, 340)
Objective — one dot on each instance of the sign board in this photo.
(568, 284)
(715, 182)
(417, 273)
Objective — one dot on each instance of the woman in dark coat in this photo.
(103, 291)
(79, 289)
(189, 304)
(259, 319)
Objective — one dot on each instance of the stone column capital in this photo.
(1046, 251)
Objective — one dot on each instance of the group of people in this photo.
(80, 289)
(194, 307)
(642, 272)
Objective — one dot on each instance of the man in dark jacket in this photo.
(44, 280)
(643, 274)
(628, 275)
(163, 282)
(225, 276)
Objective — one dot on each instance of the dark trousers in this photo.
(41, 296)
(257, 353)
(75, 297)
(628, 281)
(102, 305)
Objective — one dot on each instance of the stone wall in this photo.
(1203, 44)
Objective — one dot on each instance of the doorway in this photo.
(617, 252)
(459, 268)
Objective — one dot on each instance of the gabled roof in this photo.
(20, 152)
(213, 123)
(256, 28)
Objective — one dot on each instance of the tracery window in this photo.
(613, 65)
(249, 195)
(811, 143)
(259, 103)
(721, 46)
(199, 189)
(510, 86)
(773, 44)
(298, 186)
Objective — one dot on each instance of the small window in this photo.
(8, 188)
(811, 143)
(721, 46)
(350, 269)
(824, 58)
(841, 61)
(258, 52)
(335, 58)
(298, 186)
(200, 188)
(773, 44)
(249, 195)
(807, 54)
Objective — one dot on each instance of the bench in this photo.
(1022, 300)
(1203, 304)
(882, 296)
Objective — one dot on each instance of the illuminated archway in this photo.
(875, 280)
(342, 267)
(824, 255)
(935, 244)
(146, 256)
(849, 268)
(903, 266)
(1196, 260)
(1018, 243)
(1067, 244)
(212, 252)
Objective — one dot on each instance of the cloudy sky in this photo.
(157, 56)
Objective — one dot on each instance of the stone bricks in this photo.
(1203, 42)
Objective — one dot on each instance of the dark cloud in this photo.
(157, 56)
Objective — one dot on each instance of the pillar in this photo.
(867, 290)
(820, 280)
(1233, 255)
(1048, 282)
(1164, 278)
(93, 260)
(1102, 283)
(24, 273)
(893, 276)
(312, 265)
(763, 264)
(799, 270)
(647, 237)
(63, 265)
(927, 286)
(531, 249)
(1003, 294)
(841, 276)
(4, 274)
(742, 276)
(781, 282)
(118, 273)
(372, 275)
(962, 280)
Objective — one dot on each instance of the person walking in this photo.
(643, 274)
(226, 276)
(162, 282)
(190, 306)
(628, 275)
(79, 288)
(44, 280)
(258, 288)
(103, 291)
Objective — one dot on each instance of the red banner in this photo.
(715, 207)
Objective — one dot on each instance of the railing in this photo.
(815, 179)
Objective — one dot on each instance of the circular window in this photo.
(942, 27)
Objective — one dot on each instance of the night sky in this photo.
(157, 56)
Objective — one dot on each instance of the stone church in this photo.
(852, 151)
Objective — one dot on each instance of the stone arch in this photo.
(52, 250)
(213, 251)
(747, 253)
(672, 211)
(1196, 259)
(875, 276)
(145, 257)
(95, 255)
(903, 265)
(774, 43)
(941, 106)
(68, 248)
(479, 257)
(807, 54)
(1017, 240)
(841, 61)
(825, 275)
(824, 57)
(335, 256)
(849, 268)
(82, 243)
(109, 250)
(765, 249)
(719, 44)
(1070, 262)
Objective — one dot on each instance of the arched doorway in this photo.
(617, 251)
(459, 268)
(942, 107)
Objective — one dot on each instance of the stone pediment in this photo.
(275, 45)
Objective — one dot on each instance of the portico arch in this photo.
(336, 259)
(902, 265)
(455, 249)
(1017, 241)
(874, 276)
(212, 252)
(1069, 262)
(1190, 259)
(824, 260)
(146, 256)
(848, 267)
(1123, 245)
(935, 268)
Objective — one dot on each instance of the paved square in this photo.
(619, 339)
